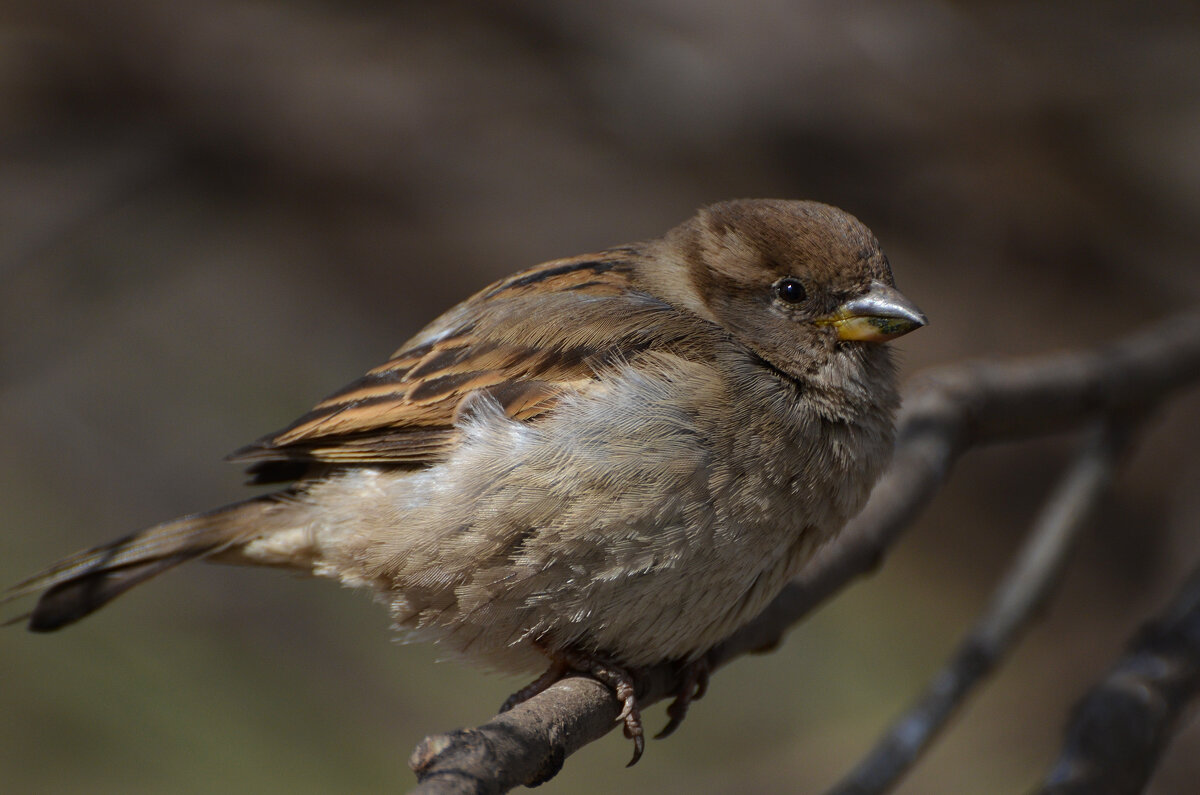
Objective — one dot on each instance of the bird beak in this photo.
(880, 314)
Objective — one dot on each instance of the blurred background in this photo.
(213, 214)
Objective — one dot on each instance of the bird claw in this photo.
(615, 677)
(621, 681)
(692, 687)
(639, 744)
(631, 715)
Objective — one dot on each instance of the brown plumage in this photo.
(603, 462)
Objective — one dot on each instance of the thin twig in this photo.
(1025, 588)
(944, 413)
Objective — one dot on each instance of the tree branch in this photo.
(945, 412)
(1120, 728)
(1026, 588)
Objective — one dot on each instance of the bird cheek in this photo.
(823, 339)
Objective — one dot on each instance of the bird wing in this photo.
(525, 341)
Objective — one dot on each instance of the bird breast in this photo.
(646, 518)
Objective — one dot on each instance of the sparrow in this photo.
(597, 464)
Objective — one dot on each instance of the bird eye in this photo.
(790, 290)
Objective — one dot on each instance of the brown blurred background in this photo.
(212, 214)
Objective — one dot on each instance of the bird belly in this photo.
(619, 527)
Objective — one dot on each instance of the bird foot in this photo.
(557, 670)
(693, 684)
(563, 663)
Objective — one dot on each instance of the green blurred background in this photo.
(213, 214)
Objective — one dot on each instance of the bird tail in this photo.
(79, 585)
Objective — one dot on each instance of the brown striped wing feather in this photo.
(523, 340)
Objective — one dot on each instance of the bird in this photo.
(595, 465)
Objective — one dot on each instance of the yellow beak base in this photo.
(879, 315)
(873, 328)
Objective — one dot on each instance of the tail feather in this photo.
(72, 600)
(83, 583)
